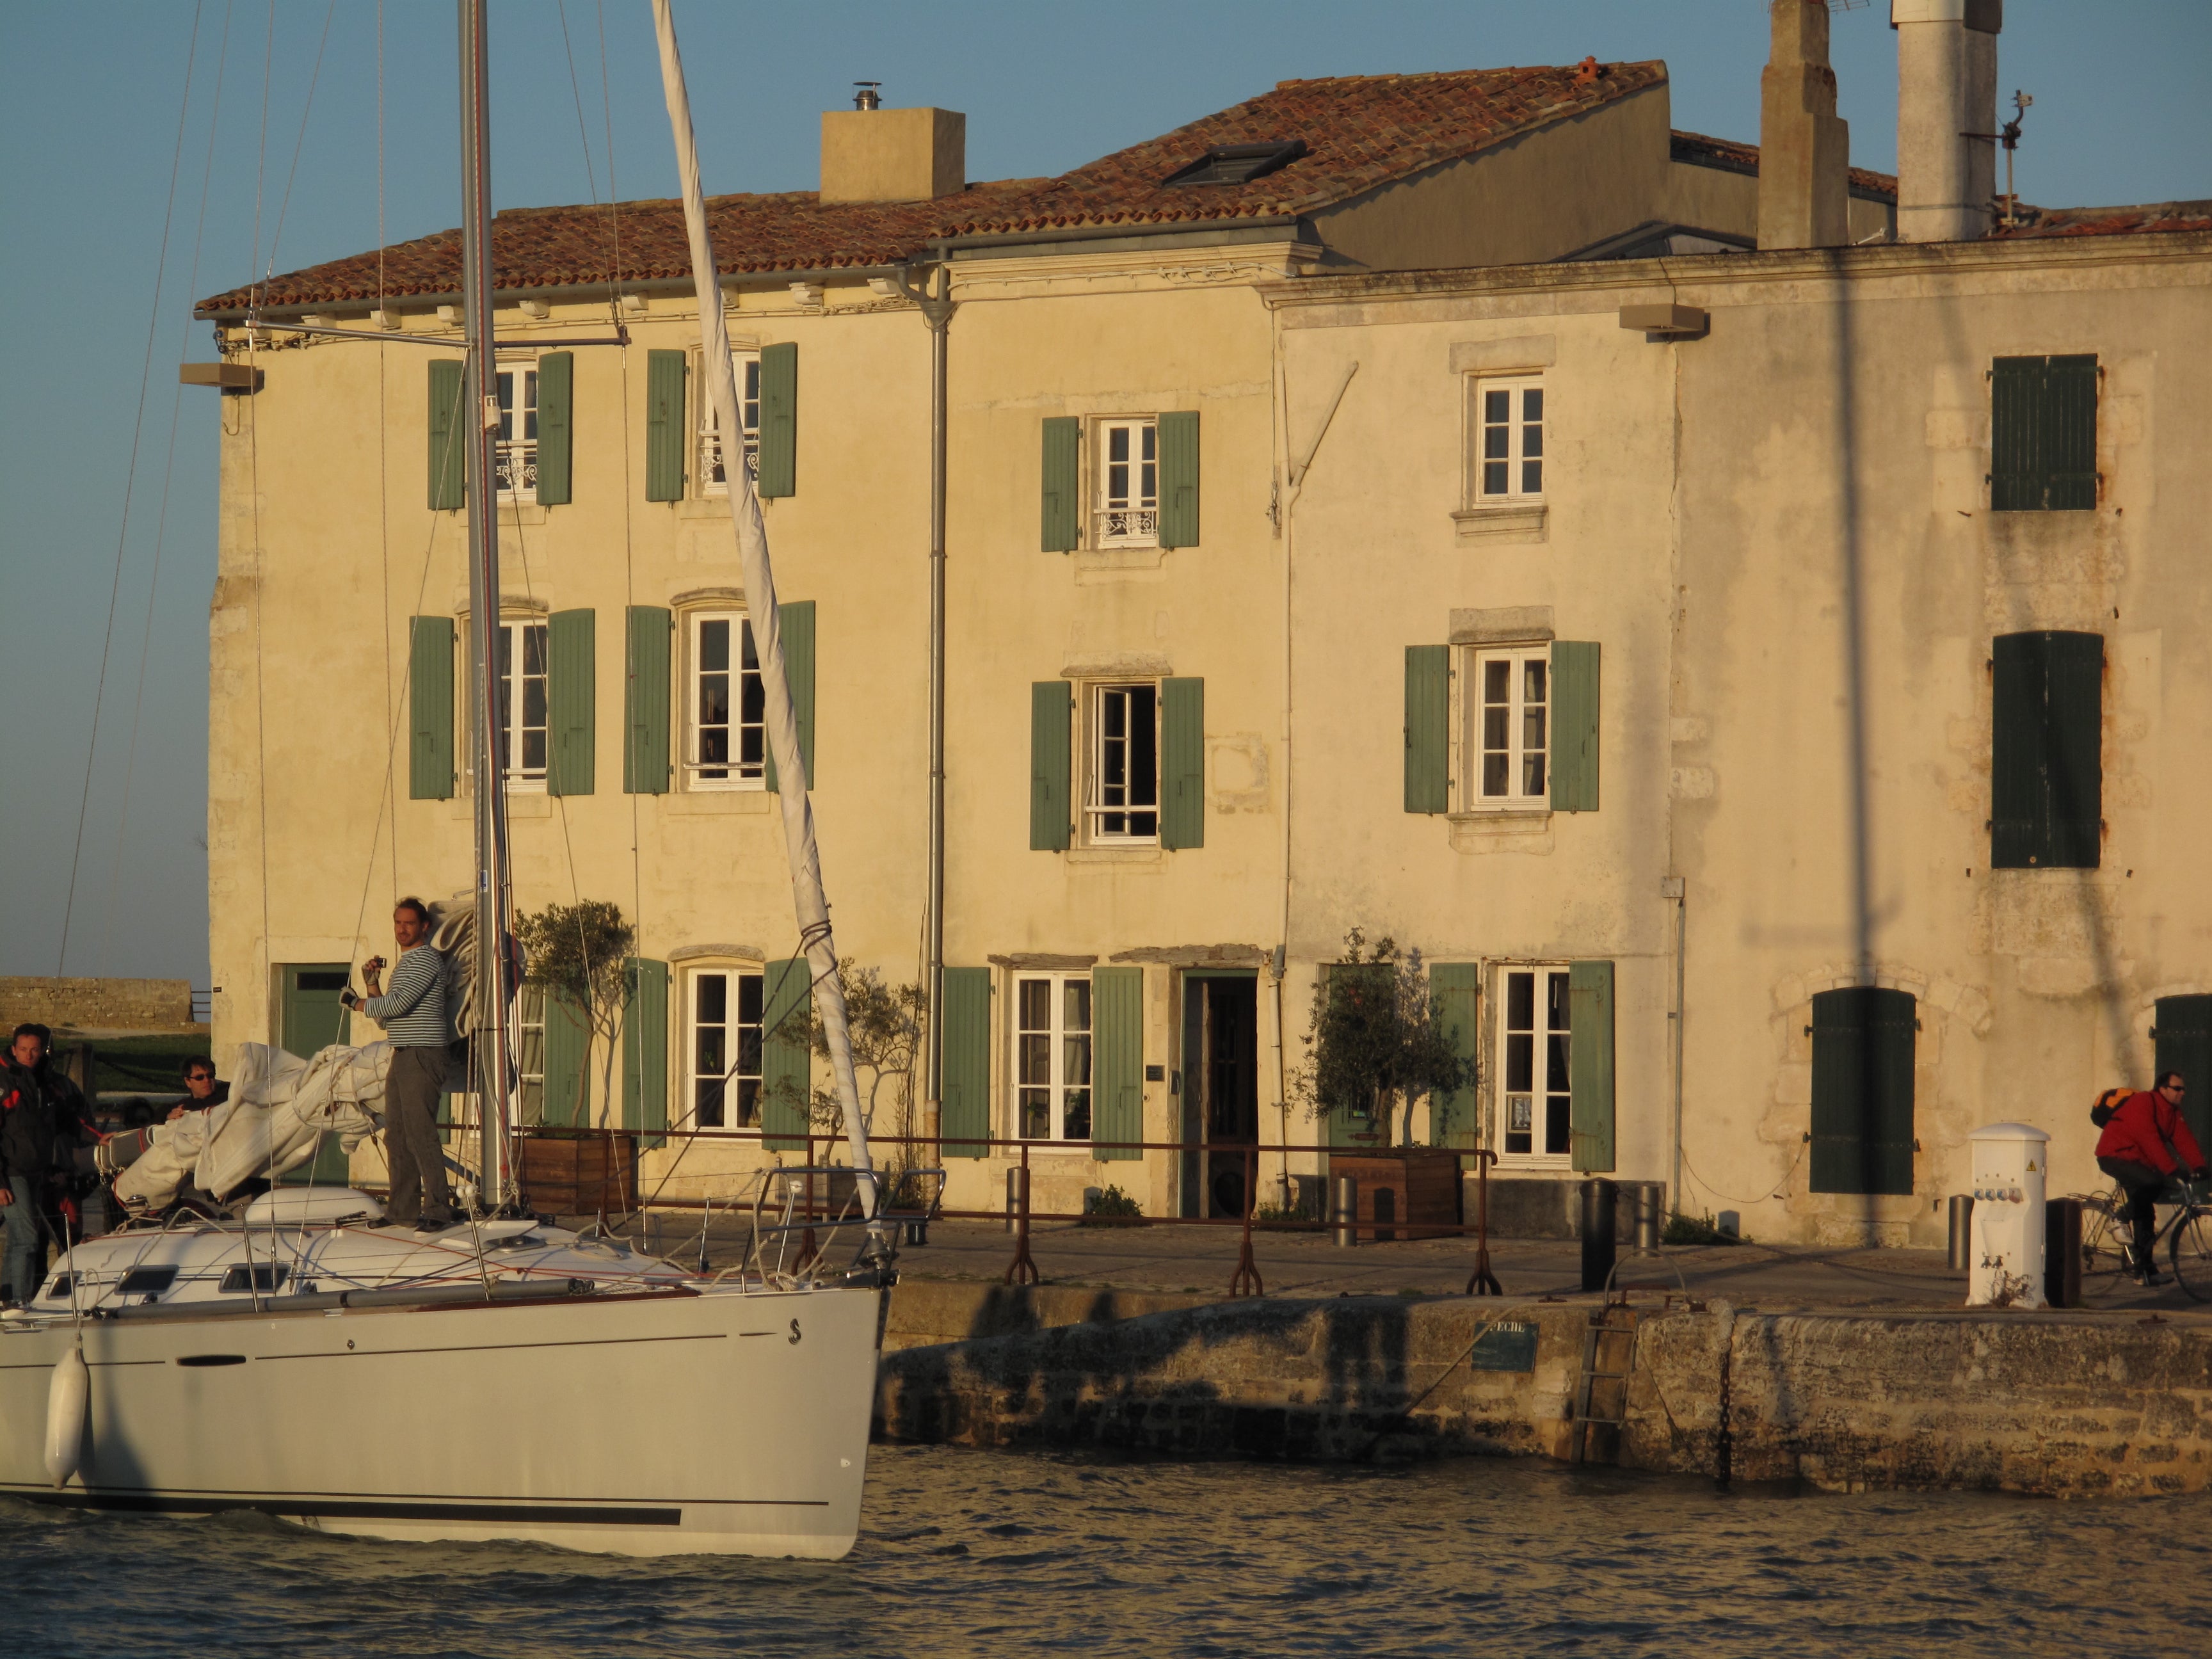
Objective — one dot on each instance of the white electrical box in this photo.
(2009, 1164)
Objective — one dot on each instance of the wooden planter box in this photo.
(568, 1172)
(1416, 1187)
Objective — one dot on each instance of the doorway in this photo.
(1221, 1088)
(311, 1017)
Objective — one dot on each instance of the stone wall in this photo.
(97, 1005)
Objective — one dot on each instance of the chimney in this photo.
(1946, 88)
(869, 153)
(1804, 151)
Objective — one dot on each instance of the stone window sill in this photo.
(1501, 832)
(1522, 522)
(1111, 564)
(1109, 857)
(703, 507)
(718, 803)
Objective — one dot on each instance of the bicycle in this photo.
(2107, 1243)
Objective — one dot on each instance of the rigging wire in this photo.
(130, 480)
(314, 80)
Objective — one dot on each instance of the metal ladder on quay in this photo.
(1611, 1336)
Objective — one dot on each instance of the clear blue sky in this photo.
(89, 104)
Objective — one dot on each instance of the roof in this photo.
(2107, 221)
(1359, 132)
(1702, 150)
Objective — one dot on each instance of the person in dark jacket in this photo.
(42, 1123)
(204, 1088)
(2146, 1143)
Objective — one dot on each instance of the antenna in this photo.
(869, 95)
(2009, 136)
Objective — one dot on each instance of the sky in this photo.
(157, 153)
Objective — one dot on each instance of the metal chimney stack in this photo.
(1947, 116)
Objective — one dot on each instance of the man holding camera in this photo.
(419, 1026)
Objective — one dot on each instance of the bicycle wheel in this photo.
(2191, 1252)
(2104, 1256)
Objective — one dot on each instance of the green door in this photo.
(314, 1019)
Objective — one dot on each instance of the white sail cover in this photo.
(280, 1109)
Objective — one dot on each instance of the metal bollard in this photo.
(2062, 1252)
(1600, 1199)
(1018, 1194)
(1344, 1211)
(1962, 1233)
(1647, 1218)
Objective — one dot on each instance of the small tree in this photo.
(885, 1022)
(578, 954)
(1377, 1035)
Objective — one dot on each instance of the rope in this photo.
(314, 80)
(1781, 1186)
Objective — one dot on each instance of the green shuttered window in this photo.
(571, 695)
(556, 378)
(2183, 1034)
(1575, 704)
(449, 448)
(1863, 1039)
(566, 1095)
(1456, 986)
(779, 420)
(787, 1073)
(1183, 763)
(1117, 1060)
(665, 426)
(645, 1049)
(430, 708)
(2043, 435)
(1063, 474)
(964, 1089)
(1428, 722)
(644, 700)
(1178, 449)
(1589, 1024)
(798, 631)
(1052, 726)
(2046, 767)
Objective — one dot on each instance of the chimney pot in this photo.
(1804, 150)
(1947, 90)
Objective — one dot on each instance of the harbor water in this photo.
(964, 1553)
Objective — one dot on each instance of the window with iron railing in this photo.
(1128, 483)
(518, 432)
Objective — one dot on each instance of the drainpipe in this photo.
(1677, 889)
(937, 312)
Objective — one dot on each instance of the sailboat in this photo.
(508, 1378)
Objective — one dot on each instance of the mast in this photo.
(810, 902)
(480, 412)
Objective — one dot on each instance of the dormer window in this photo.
(1237, 164)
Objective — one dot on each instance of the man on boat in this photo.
(42, 1123)
(415, 1016)
(204, 1088)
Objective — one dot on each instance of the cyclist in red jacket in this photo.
(2144, 1144)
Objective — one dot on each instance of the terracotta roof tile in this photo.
(2107, 221)
(1738, 157)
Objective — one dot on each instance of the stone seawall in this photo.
(2055, 1404)
(98, 1005)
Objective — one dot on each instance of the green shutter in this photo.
(1863, 1038)
(786, 1049)
(665, 426)
(644, 1048)
(571, 685)
(1456, 986)
(1574, 725)
(430, 705)
(644, 700)
(2015, 458)
(1063, 483)
(567, 1095)
(1117, 1060)
(1178, 442)
(1428, 724)
(1052, 724)
(779, 420)
(449, 448)
(2043, 435)
(556, 374)
(1183, 763)
(2070, 434)
(798, 619)
(2183, 1033)
(2046, 770)
(964, 1075)
(1590, 1063)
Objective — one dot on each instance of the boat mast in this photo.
(481, 415)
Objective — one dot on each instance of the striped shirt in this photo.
(413, 1012)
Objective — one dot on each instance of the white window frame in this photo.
(699, 774)
(515, 633)
(1478, 729)
(1545, 1094)
(1098, 756)
(1124, 512)
(516, 379)
(1063, 1049)
(529, 1053)
(747, 366)
(737, 1108)
(1518, 439)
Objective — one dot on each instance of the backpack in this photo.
(2108, 1103)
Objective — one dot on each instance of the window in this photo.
(1863, 1039)
(1128, 483)
(2043, 435)
(2046, 762)
(713, 480)
(1052, 1057)
(728, 747)
(1508, 441)
(518, 431)
(522, 702)
(1125, 763)
(529, 1053)
(1507, 740)
(725, 1049)
(1534, 1041)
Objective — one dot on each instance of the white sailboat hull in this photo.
(672, 1422)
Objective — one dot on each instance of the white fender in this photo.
(67, 1396)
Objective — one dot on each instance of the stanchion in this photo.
(1344, 1211)
(1021, 1270)
(1482, 1281)
(807, 1247)
(1245, 1281)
